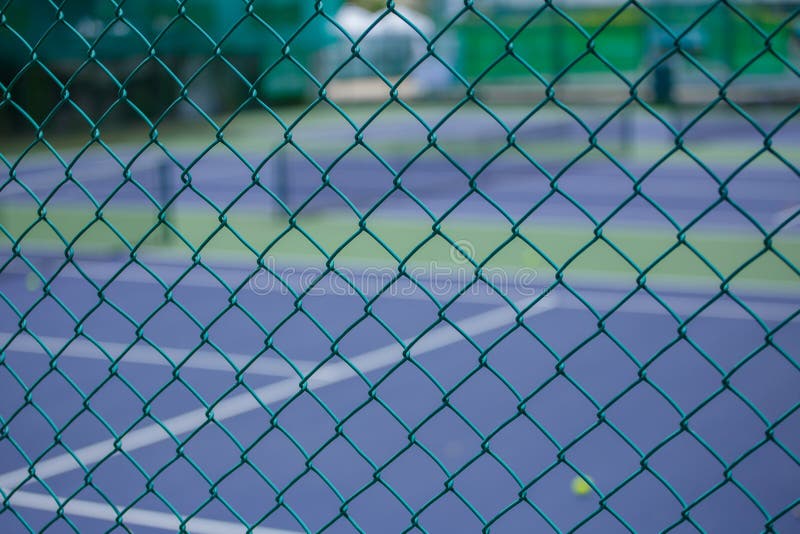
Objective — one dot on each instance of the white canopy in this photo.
(355, 20)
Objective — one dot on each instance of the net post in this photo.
(626, 132)
(282, 177)
(163, 178)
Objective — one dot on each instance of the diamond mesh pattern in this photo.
(136, 195)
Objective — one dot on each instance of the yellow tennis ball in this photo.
(580, 486)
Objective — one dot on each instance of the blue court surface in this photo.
(174, 399)
(727, 165)
(210, 395)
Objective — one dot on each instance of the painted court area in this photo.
(379, 411)
(637, 339)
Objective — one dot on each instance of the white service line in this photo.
(94, 168)
(664, 189)
(101, 271)
(685, 306)
(134, 516)
(333, 373)
(205, 359)
(785, 213)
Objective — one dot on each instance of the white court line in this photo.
(773, 190)
(242, 403)
(204, 359)
(134, 516)
(100, 270)
(785, 213)
(112, 172)
(605, 300)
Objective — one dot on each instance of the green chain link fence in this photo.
(171, 140)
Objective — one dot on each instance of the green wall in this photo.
(549, 42)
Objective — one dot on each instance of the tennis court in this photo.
(279, 396)
(455, 314)
(377, 439)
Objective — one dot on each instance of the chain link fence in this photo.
(261, 272)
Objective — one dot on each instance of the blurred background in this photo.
(469, 47)
(641, 159)
(503, 110)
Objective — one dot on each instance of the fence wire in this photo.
(79, 77)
